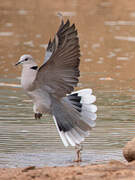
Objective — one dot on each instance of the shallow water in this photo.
(107, 66)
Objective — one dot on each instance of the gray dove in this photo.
(51, 87)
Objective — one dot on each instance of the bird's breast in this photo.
(27, 79)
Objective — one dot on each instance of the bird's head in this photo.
(25, 59)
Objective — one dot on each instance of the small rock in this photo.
(129, 150)
(116, 163)
(79, 173)
(28, 168)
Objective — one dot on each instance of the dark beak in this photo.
(17, 63)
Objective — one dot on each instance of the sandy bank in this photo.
(113, 170)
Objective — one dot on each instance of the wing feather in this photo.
(59, 74)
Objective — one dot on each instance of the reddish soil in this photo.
(113, 170)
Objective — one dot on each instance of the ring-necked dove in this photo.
(51, 87)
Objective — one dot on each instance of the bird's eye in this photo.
(26, 59)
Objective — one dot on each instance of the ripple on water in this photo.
(57, 158)
(66, 13)
(120, 23)
(29, 43)
(9, 85)
(132, 39)
(22, 12)
(122, 58)
(6, 33)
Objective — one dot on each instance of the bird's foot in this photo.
(38, 115)
(78, 149)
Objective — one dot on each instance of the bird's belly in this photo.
(41, 100)
(42, 108)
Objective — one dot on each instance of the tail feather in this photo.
(89, 115)
(91, 122)
(74, 116)
(61, 133)
(89, 108)
(86, 96)
(70, 138)
(83, 92)
(77, 136)
(82, 133)
(89, 99)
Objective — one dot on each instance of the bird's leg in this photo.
(78, 149)
(38, 115)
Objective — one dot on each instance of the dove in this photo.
(51, 87)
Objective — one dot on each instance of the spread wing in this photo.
(52, 45)
(59, 74)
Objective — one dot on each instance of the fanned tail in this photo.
(88, 109)
(74, 116)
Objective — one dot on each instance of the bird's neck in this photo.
(28, 76)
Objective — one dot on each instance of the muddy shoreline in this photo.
(113, 170)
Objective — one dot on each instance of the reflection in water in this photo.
(121, 23)
(9, 84)
(125, 38)
(107, 66)
(6, 33)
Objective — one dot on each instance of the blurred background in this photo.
(106, 31)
